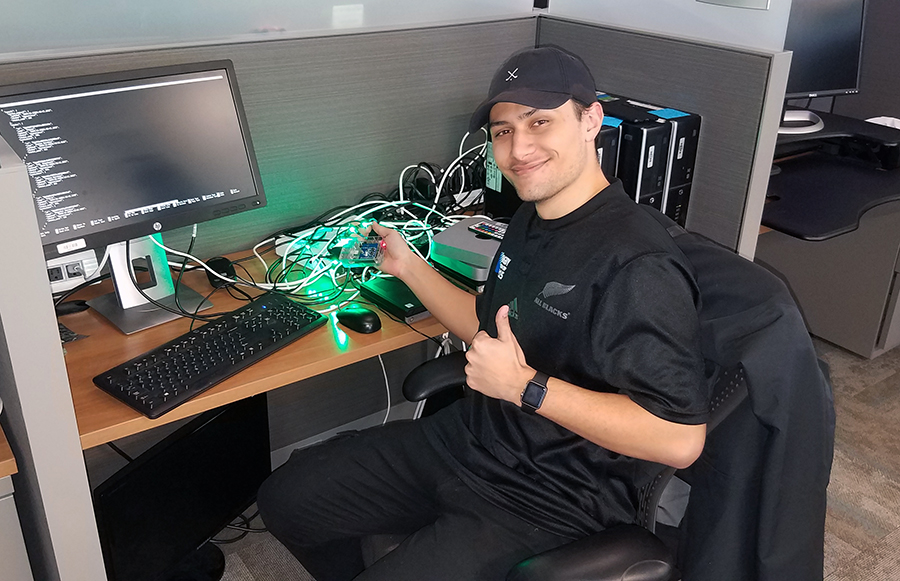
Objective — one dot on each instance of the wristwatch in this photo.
(534, 392)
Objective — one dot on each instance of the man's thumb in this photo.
(504, 332)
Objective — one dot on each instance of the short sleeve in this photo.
(647, 338)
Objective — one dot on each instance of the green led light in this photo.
(340, 338)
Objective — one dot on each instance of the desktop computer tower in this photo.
(682, 157)
(607, 144)
(643, 150)
(684, 138)
(676, 203)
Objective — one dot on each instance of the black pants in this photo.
(389, 480)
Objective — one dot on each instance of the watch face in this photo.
(533, 396)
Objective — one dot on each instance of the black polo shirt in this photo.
(601, 298)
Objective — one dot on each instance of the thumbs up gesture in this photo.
(497, 367)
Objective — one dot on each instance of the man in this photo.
(584, 367)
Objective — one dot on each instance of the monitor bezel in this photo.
(175, 218)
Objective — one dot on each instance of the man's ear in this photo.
(593, 120)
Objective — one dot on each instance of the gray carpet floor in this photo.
(862, 528)
(259, 557)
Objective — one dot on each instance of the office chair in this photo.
(756, 508)
(630, 551)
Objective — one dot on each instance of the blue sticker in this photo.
(669, 113)
(611, 121)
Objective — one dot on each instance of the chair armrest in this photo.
(622, 552)
(435, 375)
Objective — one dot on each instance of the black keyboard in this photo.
(173, 373)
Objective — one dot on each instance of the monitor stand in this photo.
(127, 308)
(806, 122)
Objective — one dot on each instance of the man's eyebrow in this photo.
(524, 115)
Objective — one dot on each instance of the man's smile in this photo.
(524, 169)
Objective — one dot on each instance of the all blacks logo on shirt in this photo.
(553, 289)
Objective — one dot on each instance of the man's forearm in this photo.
(452, 306)
(617, 423)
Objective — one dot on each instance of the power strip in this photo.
(67, 272)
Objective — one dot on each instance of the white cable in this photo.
(297, 238)
(381, 204)
(462, 178)
(340, 305)
(284, 257)
(387, 389)
(261, 286)
(190, 257)
(397, 205)
(440, 187)
(469, 199)
(403, 173)
(457, 217)
(462, 143)
(316, 264)
(317, 267)
(99, 266)
(258, 256)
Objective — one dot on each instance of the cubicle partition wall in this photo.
(728, 87)
(334, 118)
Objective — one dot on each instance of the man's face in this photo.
(540, 151)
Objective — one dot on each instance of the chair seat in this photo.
(621, 553)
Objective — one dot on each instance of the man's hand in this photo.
(497, 367)
(397, 253)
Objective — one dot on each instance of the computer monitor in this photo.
(153, 514)
(826, 38)
(123, 155)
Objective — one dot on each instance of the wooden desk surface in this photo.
(102, 418)
(7, 461)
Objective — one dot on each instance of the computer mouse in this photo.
(224, 267)
(359, 319)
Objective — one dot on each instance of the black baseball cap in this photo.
(543, 78)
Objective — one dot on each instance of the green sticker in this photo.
(493, 179)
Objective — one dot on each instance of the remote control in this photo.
(489, 228)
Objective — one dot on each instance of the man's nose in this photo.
(522, 145)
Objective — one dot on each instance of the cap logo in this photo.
(512, 75)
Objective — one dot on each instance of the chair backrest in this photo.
(729, 391)
(758, 492)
